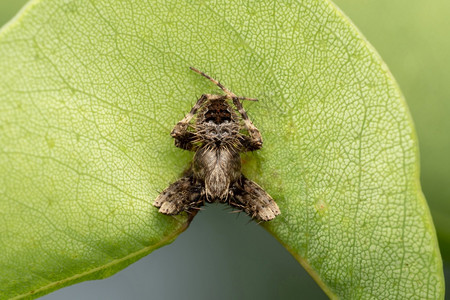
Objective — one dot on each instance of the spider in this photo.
(217, 137)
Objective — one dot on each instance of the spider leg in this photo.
(182, 195)
(247, 143)
(254, 141)
(184, 138)
(229, 93)
(251, 198)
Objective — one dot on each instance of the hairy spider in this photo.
(217, 138)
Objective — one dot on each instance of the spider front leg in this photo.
(248, 143)
(254, 140)
(183, 138)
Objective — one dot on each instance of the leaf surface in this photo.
(89, 91)
(420, 30)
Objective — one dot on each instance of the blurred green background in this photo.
(413, 37)
(9, 8)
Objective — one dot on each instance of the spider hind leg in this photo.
(182, 195)
(251, 198)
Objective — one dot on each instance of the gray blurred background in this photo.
(220, 256)
(224, 256)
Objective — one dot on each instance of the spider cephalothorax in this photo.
(217, 123)
(218, 138)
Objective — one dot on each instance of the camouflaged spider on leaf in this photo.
(217, 137)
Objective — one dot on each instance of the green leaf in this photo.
(412, 36)
(89, 92)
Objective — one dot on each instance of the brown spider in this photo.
(217, 138)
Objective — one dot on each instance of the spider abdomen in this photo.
(218, 169)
